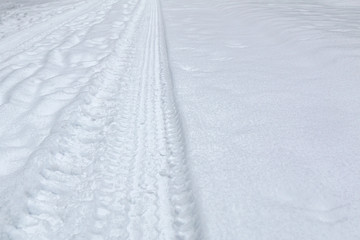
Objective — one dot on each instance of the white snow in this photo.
(260, 142)
(269, 91)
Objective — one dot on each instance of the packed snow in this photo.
(179, 119)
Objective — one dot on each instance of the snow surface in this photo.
(265, 145)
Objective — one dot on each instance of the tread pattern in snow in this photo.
(113, 165)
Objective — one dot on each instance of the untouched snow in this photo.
(266, 143)
(269, 92)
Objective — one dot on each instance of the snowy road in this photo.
(92, 144)
(179, 120)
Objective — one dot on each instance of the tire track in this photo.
(186, 221)
(168, 203)
(114, 165)
(62, 169)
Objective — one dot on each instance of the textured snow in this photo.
(169, 119)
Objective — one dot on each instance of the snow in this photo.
(167, 119)
(18, 15)
(270, 97)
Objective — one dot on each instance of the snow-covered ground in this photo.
(91, 144)
(18, 15)
(262, 141)
(270, 95)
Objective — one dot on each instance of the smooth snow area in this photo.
(179, 119)
(270, 95)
